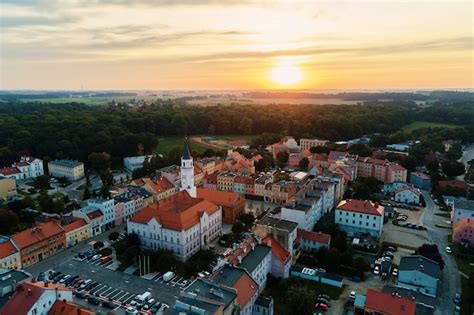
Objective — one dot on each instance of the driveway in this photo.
(451, 283)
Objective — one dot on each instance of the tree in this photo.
(27, 202)
(319, 150)
(98, 245)
(452, 168)
(431, 251)
(247, 219)
(87, 194)
(282, 159)
(409, 162)
(432, 166)
(41, 182)
(332, 261)
(114, 236)
(300, 300)
(100, 162)
(304, 163)
(245, 126)
(8, 221)
(455, 153)
(238, 227)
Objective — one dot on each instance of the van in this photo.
(85, 283)
(168, 276)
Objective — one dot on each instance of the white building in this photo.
(358, 217)
(407, 194)
(9, 254)
(179, 223)
(305, 211)
(132, 163)
(389, 188)
(94, 218)
(71, 170)
(187, 172)
(106, 206)
(27, 167)
(307, 144)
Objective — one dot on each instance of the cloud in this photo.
(20, 21)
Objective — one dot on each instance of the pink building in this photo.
(463, 232)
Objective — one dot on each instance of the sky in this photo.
(210, 45)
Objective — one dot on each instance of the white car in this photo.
(395, 272)
(448, 250)
(352, 296)
(376, 270)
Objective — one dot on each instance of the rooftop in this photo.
(360, 206)
(9, 171)
(74, 225)
(277, 250)
(179, 211)
(68, 308)
(420, 175)
(464, 204)
(421, 264)
(281, 224)
(255, 257)
(37, 234)
(263, 301)
(212, 291)
(238, 279)
(66, 163)
(221, 198)
(6, 247)
(388, 304)
(407, 187)
(314, 236)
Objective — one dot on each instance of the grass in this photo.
(424, 124)
(166, 144)
(93, 100)
(443, 226)
(467, 297)
(443, 214)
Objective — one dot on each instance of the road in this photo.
(451, 283)
(468, 154)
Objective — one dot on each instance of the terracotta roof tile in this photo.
(9, 171)
(7, 248)
(221, 198)
(68, 308)
(385, 303)
(22, 300)
(277, 250)
(74, 225)
(314, 236)
(94, 214)
(360, 206)
(36, 234)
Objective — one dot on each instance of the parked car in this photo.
(395, 272)
(448, 250)
(155, 308)
(457, 299)
(391, 249)
(81, 294)
(352, 295)
(321, 307)
(376, 270)
(93, 300)
(109, 304)
(324, 296)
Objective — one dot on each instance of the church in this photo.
(182, 222)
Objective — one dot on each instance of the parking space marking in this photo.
(112, 292)
(121, 296)
(104, 293)
(159, 278)
(97, 288)
(104, 289)
(129, 299)
(114, 295)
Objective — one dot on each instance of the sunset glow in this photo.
(286, 73)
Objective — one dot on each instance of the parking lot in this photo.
(119, 288)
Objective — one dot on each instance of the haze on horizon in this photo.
(167, 44)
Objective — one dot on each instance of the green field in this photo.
(425, 124)
(92, 100)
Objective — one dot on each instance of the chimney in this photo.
(46, 284)
(29, 292)
(239, 258)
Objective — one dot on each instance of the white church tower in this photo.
(187, 171)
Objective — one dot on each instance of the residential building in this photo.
(312, 241)
(463, 232)
(260, 184)
(76, 232)
(225, 181)
(263, 305)
(390, 188)
(244, 185)
(35, 298)
(306, 144)
(94, 218)
(287, 144)
(210, 181)
(62, 307)
(233, 205)
(7, 188)
(326, 189)
(207, 164)
(179, 223)
(283, 231)
(39, 242)
(462, 208)
(383, 170)
(358, 217)
(404, 146)
(135, 162)
(419, 274)
(281, 258)
(205, 297)
(316, 275)
(160, 187)
(305, 209)
(71, 170)
(408, 195)
(388, 304)
(106, 206)
(27, 167)
(131, 200)
(258, 263)
(236, 162)
(9, 254)
(240, 280)
(420, 180)
(280, 192)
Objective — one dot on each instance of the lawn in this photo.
(467, 297)
(443, 214)
(424, 124)
(92, 100)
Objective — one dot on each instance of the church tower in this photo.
(187, 171)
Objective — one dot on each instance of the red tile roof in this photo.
(242, 250)
(37, 234)
(94, 214)
(246, 288)
(68, 308)
(74, 225)
(314, 236)
(22, 300)
(420, 175)
(179, 211)
(452, 183)
(7, 248)
(386, 303)
(9, 171)
(277, 250)
(21, 164)
(407, 187)
(159, 186)
(462, 224)
(360, 206)
(220, 198)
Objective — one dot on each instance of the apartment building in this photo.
(71, 170)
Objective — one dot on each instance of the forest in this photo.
(75, 130)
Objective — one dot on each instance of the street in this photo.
(451, 283)
(468, 154)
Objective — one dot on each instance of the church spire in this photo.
(186, 154)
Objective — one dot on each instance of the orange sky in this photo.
(164, 44)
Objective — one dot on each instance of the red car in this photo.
(321, 306)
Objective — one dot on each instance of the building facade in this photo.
(408, 195)
(463, 232)
(27, 167)
(7, 188)
(71, 170)
(358, 217)
(420, 180)
(77, 232)
(9, 254)
(419, 274)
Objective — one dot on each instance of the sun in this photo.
(286, 72)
